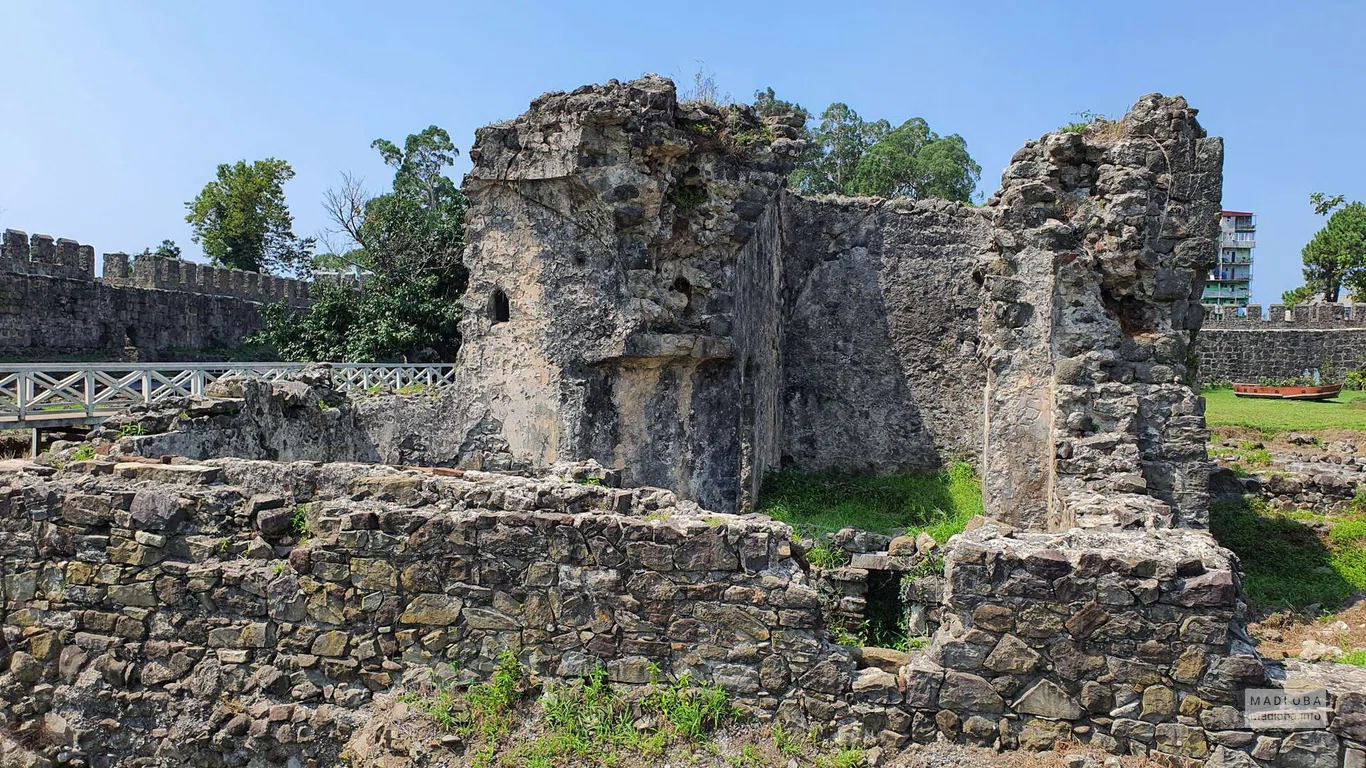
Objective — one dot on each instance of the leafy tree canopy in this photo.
(167, 250)
(914, 161)
(1298, 295)
(242, 221)
(1336, 256)
(408, 241)
(853, 156)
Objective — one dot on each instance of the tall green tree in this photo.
(853, 156)
(914, 161)
(407, 242)
(241, 219)
(1336, 256)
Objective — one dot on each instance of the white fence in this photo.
(46, 391)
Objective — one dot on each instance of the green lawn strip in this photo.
(1346, 411)
(1285, 563)
(821, 502)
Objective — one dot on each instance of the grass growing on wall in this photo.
(1347, 411)
(823, 502)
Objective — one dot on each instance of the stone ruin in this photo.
(653, 323)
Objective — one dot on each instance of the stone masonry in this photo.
(1284, 343)
(655, 302)
(51, 302)
(171, 612)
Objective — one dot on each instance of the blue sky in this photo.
(113, 113)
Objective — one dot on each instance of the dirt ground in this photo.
(1283, 634)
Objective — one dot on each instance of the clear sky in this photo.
(113, 113)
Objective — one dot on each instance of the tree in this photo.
(408, 242)
(1298, 295)
(167, 250)
(852, 156)
(767, 104)
(914, 161)
(242, 221)
(1336, 256)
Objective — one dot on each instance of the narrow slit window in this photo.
(499, 310)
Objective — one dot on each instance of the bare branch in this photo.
(345, 207)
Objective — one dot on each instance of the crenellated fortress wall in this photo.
(1330, 339)
(52, 303)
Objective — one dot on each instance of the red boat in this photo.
(1320, 392)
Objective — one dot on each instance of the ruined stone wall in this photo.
(171, 612)
(1283, 343)
(298, 417)
(647, 296)
(44, 316)
(1101, 243)
(1131, 642)
(622, 264)
(880, 332)
(174, 613)
(51, 302)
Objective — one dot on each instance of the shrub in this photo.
(83, 453)
(687, 199)
(824, 556)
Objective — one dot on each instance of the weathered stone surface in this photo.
(1159, 703)
(1059, 312)
(156, 511)
(1012, 656)
(962, 691)
(432, 609)
(1309, 749)
(1048, 699)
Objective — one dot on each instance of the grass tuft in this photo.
(1355, 658)
(818, 503)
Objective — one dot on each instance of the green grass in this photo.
(1285, 563)
(816, 503)
(1243, 457)
(1355, 658)
(1222, 408)
(589, 722)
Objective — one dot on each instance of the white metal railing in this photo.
(54, 390)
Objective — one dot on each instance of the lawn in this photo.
(1347, 411)
(1285, 562)
(815, 503)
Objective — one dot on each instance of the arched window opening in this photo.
(499, 310)
(681, 285)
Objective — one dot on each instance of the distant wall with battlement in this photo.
(53, 304)
(1330, 339)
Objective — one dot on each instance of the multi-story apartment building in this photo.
(1230, 282)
